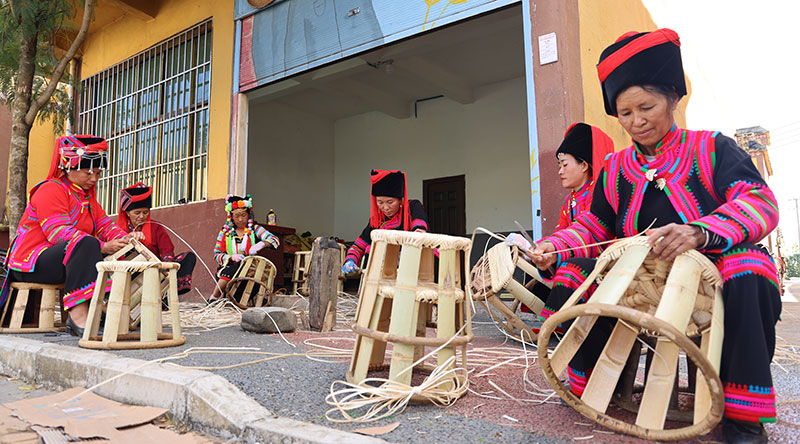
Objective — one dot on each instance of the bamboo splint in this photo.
(116, 331)
(254, 271)
(398, 290)
(24, 293)
(493, 273)
(670, 302)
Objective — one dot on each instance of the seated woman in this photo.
(239, 237)
(390, 209)
(64, 231)
(584, 147)
(134, 216)
(704, 193)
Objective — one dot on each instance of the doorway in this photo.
(445, 203)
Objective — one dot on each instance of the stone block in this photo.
(260, 320)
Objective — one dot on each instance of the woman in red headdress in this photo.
(134, 216)
(64, 231)
(698, 190)
(390, 209)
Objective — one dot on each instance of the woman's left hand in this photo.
(671, 240)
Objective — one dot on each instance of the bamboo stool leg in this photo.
(711, 347)
(369, 307)
(95, 306)
(675, 307)
(446, 322)
(422, 327)
(174, 304)
(120, 282)
(608, 292)
(609, 366)
(404, 306)
(151, 305)
(46, 310)
(19, 308)
(522, 294)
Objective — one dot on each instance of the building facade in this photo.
(295, 101)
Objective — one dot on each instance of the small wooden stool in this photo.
(302, 262)
(254, 270)
(395, 298)
(493, 273)
(20, 294)
(116, 331)
(673, 302)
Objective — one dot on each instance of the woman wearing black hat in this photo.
(700, 191)
(134, 215)
(584, 146)
(390, 209)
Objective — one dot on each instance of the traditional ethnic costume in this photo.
(64, 227)
(156, 238)
(229, 243)
(410, 217)
(700, 178)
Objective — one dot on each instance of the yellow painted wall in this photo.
(129, 35)
(601, 23)
(40, 151)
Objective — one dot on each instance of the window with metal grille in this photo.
(153, 110)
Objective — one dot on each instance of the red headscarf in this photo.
(602, 146)
(131, 198)
(391, 183)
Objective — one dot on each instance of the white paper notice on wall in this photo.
(548, 48)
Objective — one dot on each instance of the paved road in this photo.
(12, 389)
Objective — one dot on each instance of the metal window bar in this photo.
(153, 109)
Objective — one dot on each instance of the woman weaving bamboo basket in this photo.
(700, 191)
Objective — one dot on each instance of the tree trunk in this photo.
(20, 131)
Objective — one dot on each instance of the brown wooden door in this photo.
(444, 200)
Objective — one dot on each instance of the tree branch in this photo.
(58, 72)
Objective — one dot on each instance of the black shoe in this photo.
(74, 330)
(738, 432)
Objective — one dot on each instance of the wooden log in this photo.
(323, 281)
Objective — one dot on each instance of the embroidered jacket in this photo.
(419, 221)
(158, 242)
(577, 202)
(708, 181)
(227, 246)
(59, 211)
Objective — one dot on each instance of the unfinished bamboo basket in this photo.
(398, 290)
(137, 251)
(20, 296)
(672, 302)
(493, 273)
(300, 269)
(116, 331)
(253, 271)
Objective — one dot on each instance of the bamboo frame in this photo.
(263, 276)
(116, 335)
(690, 279)
(395, 302)
(49, 299)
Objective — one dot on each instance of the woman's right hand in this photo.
(542, 256)
(237, 257)
(113, 246)
(349, 266)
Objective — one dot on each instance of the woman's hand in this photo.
(113, 245)
(256, 248)
(237, 257)
(138, 235)
(542, 255)
(349, 266)
(671, 240)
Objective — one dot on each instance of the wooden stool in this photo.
(20, 294)
(254, 270)
(671, 302)
(493, 273)
(136, 251)
(395, 299)
(116, 331)
(302, 261)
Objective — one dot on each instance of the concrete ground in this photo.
(295, 387)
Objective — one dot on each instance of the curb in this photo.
(198, 397)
